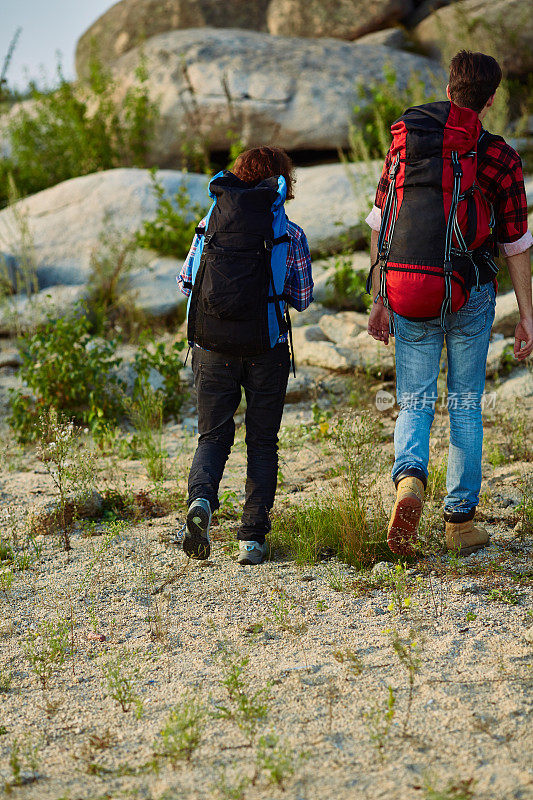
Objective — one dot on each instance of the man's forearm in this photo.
(373, 259)
(520, 272)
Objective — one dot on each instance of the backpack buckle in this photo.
(448, 267)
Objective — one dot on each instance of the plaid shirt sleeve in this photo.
(185, 275)
(383, 185)
(299, 280)
(501, 180)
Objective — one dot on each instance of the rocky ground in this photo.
(285, 680)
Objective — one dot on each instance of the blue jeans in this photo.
(418, 351)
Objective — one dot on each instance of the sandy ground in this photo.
(317, 639)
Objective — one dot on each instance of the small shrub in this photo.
(168, 363)
(342, 520)
(172, 230)
(182, 733)
(65, 368)
(378, 720)
(370, 135)
(24, 762)
(110, 300)
(78, 129)
(46, 648)
(347, 286)
(244, 708)
(408, 650)
(120, 680)
(275, 759)
(71, 469)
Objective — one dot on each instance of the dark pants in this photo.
(218, 380)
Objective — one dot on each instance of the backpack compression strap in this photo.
(389, 213)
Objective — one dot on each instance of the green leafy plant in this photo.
(275, 759)
(378, 720)
(182, 733)
(120, 679)
(347, 286)
(398, 585)
(340, 521)
(168, 363)
(46, 648)
(23, 758)
(244, 708)
(70, 466)
(382, 102)
(76, 129)
(172, 230)
(146, 414)
(110, 300)
(408, 650)
(66, 368)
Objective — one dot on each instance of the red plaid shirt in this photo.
(500, 177)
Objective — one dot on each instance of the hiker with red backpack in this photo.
(449, 195)
(247, 263)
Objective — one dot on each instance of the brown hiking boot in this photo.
(403, 525)
(465, 537)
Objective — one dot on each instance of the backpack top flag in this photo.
(436, 224)
(238, 274)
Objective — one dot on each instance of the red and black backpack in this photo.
(436, 226)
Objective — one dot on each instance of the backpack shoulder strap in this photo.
(484, 141)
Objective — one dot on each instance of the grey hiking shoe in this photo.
(252, 552)
(196, 542)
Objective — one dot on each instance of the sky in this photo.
(48, 26)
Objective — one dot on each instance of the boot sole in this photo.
(196, 542)
(403, 526)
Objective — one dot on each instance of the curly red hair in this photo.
(254, 165)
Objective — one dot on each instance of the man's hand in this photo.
(523, 333)
(378, 322)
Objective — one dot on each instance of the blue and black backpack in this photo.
(238, 274)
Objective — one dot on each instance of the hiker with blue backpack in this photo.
(247, 263)
(450, 195)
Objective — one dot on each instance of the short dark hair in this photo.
(254, 165)
(474, 77)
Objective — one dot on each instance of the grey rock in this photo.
(342, 327)
(519, 385)
(297, 93)
(129, 23)
(10, 358)
(156, 289)
(504, 26)
(19, 313)
(67, 221)
(331, 203)
(528, 634)
(394, 38)
(498, 352)
(343, 19)
(381, 569)
(506, 316)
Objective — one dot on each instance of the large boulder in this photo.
(331, 202)
(131, 22)
(343, 19)
(501, 28)
(295, 93)
(67, 223)
(506, 317)
(353, 352)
